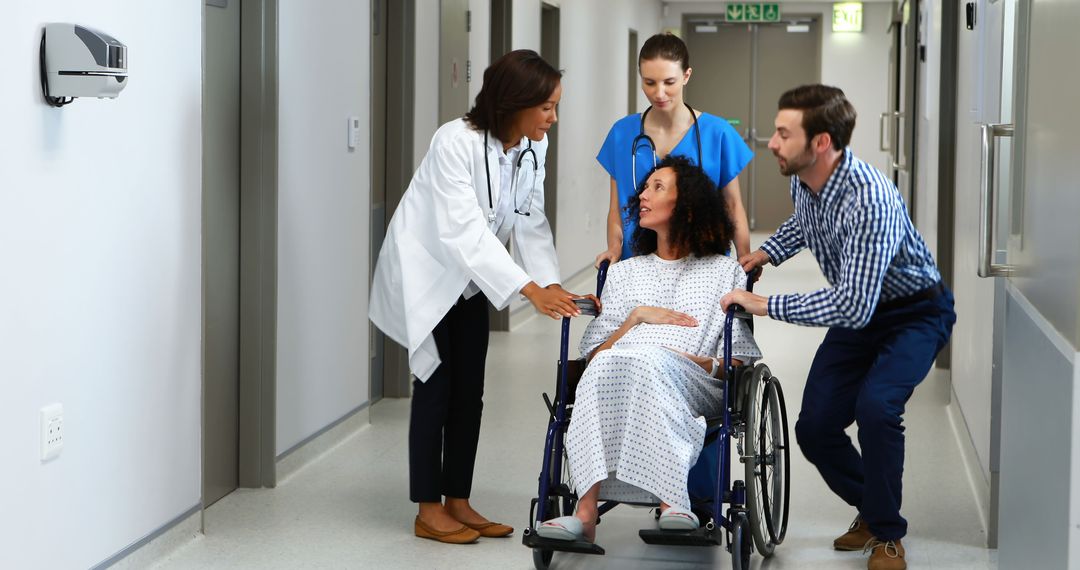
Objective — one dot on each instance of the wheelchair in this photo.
(754, 417)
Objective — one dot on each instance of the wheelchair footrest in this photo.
(699, 537)
(533, 540)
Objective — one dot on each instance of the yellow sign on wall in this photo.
(847, 17)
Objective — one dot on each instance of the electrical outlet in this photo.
(52, 431)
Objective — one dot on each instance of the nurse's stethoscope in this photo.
(524, 209)
(652, 146)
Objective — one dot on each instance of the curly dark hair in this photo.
(700, 224)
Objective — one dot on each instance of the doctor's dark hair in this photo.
(518, 80)
(665, 46)
(825, 110)
(700, 223)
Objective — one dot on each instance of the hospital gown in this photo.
(638, 421)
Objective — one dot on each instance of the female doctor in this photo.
(479, 186)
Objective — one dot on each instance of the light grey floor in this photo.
(350, 508)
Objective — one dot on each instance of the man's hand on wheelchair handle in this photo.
(755, 260)
(751, 303)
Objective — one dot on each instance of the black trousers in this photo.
(444, 427)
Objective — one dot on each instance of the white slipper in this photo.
(562, 528)
(677, 519)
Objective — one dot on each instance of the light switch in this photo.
(354, 132)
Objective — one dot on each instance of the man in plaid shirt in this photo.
(887, 311)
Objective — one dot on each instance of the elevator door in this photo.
(740, 71)
(453, 59)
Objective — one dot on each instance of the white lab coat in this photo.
(439, 240)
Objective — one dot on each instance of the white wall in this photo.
(854, 62)
(100, 303)
(324, 198)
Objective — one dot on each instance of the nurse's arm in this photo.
(614, 229)
(733, 201)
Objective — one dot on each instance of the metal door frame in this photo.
(551, 22)
(394, 27)
(257, 348)
(258, 242)
(903, 99)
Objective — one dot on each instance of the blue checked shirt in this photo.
(864, 241)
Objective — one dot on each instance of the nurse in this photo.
(479, 186)
(636, 143)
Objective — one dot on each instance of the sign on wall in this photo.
(753, 12)
(847, 17)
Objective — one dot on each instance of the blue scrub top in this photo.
(723, 151)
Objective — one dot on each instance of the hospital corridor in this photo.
(285, 285)
(309, 520)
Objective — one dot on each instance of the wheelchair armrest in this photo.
(587, 306)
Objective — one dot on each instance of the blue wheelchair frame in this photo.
(734, 526)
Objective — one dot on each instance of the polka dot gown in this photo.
(638, 422)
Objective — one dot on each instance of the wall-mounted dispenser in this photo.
(77, 61)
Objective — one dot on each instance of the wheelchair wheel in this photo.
(766, 460)
(741, 543)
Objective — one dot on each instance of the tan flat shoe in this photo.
(463, 535)
(492, 529)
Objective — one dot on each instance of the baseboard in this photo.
(321, 443)
(980, 487)
(158, 544)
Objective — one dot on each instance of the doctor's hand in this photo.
(553, 300)
(754, 260)
(753, 304)
(611, 255)
(590, 296)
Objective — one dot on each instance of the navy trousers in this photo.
(444, 426)
(866, 376)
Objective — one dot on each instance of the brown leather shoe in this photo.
(886, 555)
(491, 529)
(856, 537)
(463, 535)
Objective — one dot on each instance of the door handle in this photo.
(987, 195)
(897, 116)
(883, 126)
(756, 140)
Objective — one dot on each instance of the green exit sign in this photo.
(753, 12)
(847, 17)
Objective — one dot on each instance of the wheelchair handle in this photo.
(750, 278)
(601, 276)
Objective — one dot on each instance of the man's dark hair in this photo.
(518, 80)
(665, 46)
(825, 110)
(700, 223)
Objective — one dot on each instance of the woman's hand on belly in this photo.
(661, 316)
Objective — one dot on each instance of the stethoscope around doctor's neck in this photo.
(652, 146)
(523, 210)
